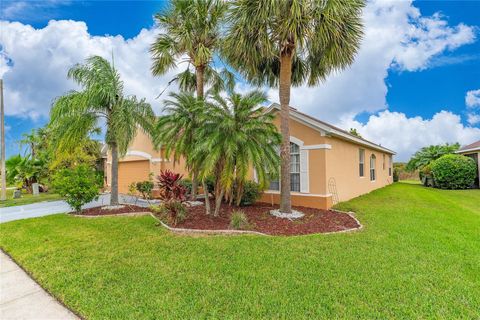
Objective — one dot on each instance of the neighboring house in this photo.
(328, 164)
(472, 151)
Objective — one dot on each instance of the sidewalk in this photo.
(23, 298)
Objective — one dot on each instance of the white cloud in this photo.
(405, 135)
(473, 118)
(33, 10)
(396, 37)
(472, 98)
(34, 63)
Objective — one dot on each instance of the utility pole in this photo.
(3, 193)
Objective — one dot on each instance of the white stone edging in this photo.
(351, 214)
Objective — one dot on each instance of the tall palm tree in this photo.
(285, 43)
(78, 113)
(426, 155)
(190, 33)
(235, 135)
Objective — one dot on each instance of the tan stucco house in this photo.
(328, 164)
(472, 151)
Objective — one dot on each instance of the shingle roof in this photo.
(475, 145)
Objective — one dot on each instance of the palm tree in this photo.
(236, 134)
(285, 43)
(78, 113)
(426, 155)
(191, 32)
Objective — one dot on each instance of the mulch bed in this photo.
(98, 211)
(260, 219)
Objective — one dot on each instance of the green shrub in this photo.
(251, 193)
(145, 188)
(454, 172)
(78, 186)
(187, 183)
(239, 220)
(172, 213)
(395, 175)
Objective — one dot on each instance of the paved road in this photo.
(46, 208)
(23, 298)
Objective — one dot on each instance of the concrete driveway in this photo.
(46, 208)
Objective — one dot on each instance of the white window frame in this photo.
(373, 173)
(361, 163)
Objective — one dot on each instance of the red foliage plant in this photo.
(170, 188)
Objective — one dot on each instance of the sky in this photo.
(415, 80)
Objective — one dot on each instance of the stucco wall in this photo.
(343, 166)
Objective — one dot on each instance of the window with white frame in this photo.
(390, 165)
(361, 162)
(372, 167)
(294, 170)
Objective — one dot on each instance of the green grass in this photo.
(418, 256)
(27, 198)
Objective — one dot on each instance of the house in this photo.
(472, 151)
(328, 164)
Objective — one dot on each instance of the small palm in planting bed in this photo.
(173, 195)
(239, 221)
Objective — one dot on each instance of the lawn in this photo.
(418, 256)
(27, 198)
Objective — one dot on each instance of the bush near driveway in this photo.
(78, 186)
(454, 171)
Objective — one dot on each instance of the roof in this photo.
(329, 129)
(471, 147)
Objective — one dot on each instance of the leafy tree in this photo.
(25, 171)
(191, 31)
(426, 155)
(236, 135)
(77, 186)
(78, 113)
(285, 43)
(454, 171)
(354, 132)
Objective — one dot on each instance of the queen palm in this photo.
(191, 34)
(285, 43)
(78, 113)
(236, 135)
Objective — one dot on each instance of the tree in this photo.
(78, 113)
(235, 135)
(354, 132)
(285, 43)
(426, 155)
(191, 29)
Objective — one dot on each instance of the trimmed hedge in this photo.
(453, 171)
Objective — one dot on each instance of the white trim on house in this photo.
(325, 129)
(477, 149)
(317, 147)
(139, 154)
(294, 193)
(304, 170)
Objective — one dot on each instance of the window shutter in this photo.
(304, 183)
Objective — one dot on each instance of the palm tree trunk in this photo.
(199, 73)
(193, 195)
(284, 95)
(218, 201)
(207, 200)
(114, 182)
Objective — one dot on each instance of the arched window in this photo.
(372, 167)
(294, 170)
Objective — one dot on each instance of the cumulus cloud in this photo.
(396, 37)
(472, 98)
(34, 63)
(405, 135)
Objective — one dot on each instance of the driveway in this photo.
(46, 208)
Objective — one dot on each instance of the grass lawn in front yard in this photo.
(418, 256)
(27, 198)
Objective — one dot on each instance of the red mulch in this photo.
(260, 219)
(98, 211)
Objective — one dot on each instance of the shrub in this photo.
(251, 193)
(173, 194)
(395, 175)
(145, 188)
(239, 220)
(132, 188)
(187, 183)
(454, 172)
(78, 185)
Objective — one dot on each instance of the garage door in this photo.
(132, 171)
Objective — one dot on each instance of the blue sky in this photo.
(407, 89)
